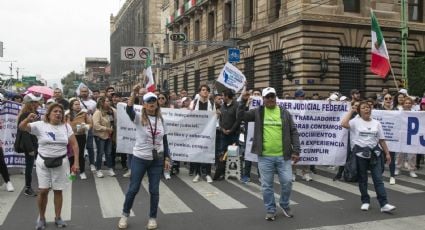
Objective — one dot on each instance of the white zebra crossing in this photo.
(350, 188)
(66, 204)
(7, 199)
(404, 178)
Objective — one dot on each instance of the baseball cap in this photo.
(268, 90)
(333, 97)
(403, 91)
(31, 98)
(148, 97)
(299, 93)
(51, 100)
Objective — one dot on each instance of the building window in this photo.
(276, 71)
(197, 79)
(351, 69)
(197, 34)
(249, 72)
(352, 6)
(227, 23)
(211, 73)
(211, 25)
(274, 9)
(415, 10)
(184, 47)
(185, 80)
(175, 84)
(248, 15)
(176, 4)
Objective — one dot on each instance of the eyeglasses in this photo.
(270, 96)
(161, 98)
(387, 98)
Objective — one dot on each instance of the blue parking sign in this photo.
(234, 55)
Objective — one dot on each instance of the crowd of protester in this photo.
(87, 126)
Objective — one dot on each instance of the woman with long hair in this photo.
(80, 122)
(368, 143)
(398, 101)
(150, 154)
(51, 165)
(102, 132)
(163, 101)
(31, 104)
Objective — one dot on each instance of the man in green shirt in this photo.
(276, 142)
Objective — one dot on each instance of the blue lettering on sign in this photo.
(412, 129)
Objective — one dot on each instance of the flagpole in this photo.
(392, 73)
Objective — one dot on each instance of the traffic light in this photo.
(178, 37)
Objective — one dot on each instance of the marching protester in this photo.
(52, 167)
(28, 142)
(150, 155)
(58, 96)
(276, 143)
(80, 122)
(202, 103)
(102, 131)
(89, 105)
(367, 139)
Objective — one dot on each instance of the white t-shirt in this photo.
(365, 133)
(52, 139)
(91, 106)
(144, 144)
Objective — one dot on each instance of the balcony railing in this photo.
(186, 8)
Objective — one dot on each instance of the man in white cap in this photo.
(276, 143)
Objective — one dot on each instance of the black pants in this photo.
(29, 165)
(114, 154)
(81, 140)
(3, 167)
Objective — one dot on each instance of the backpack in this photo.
(350, 169)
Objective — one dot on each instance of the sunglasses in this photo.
(387, 98)
(271, 95)
(161, 98)
(151, 100)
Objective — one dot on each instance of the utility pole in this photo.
(404, 36)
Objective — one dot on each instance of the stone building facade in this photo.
(318, 45)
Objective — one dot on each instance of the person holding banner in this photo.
(150, 154)
(366, 136)
(276, 142)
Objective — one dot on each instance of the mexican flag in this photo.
(150, 84)
(380, 61)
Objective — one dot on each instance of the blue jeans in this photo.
(89, 146)
(392, 164)
(268, 166)
(376, 171)
(103, 147)
(138, 169)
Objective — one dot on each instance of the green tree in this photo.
(416, 76)
(68, 83)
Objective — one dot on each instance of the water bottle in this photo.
(72, 176)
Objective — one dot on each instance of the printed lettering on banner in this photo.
(190, 134)
(231, 77)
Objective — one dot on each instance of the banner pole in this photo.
(392, 73)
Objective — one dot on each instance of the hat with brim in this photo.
(267, 91)
(149, 96)
(32, 98)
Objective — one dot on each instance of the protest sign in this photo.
(190, 134)
(231, 77)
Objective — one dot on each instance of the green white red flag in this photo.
(150, 84)
(380, 60)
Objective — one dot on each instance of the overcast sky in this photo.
(53, 37)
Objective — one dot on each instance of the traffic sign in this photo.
(178, 37)
(135, 53)
(234, 55)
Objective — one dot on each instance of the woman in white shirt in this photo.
(365, 135)
(53, 136)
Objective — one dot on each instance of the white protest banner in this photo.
(323, 140)
(231, 77)
(77, 91)
(404, 130)
(190, 134)
(8, 126)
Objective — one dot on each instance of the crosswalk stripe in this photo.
(249, 187)
(111, 196)
(340, 185)
(169, 202)
(7, 199)
(399, 188)
(214, 195)
(407, 179)
(66, 204)
(310, 191)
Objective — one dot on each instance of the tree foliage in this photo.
(68, 83)
(416, 76)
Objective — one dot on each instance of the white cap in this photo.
(403, 91)
(148, 96)
(30, 98)
(51, 100)
(333, 97)
(268, 90)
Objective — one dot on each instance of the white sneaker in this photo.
(152, 224)
(209, 179)
(392, 180)
(307, 177)
(127, 174)
(167, 175)
(196, 179)
(387, 208)
(294, 177)
(99, 174)
(413, 174)
(364, 207)
(92, 168)
(122, 224)
(9, 187)
(83, 176)
(111, 172)
(397, 172)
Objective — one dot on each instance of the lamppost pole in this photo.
(404, 36)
